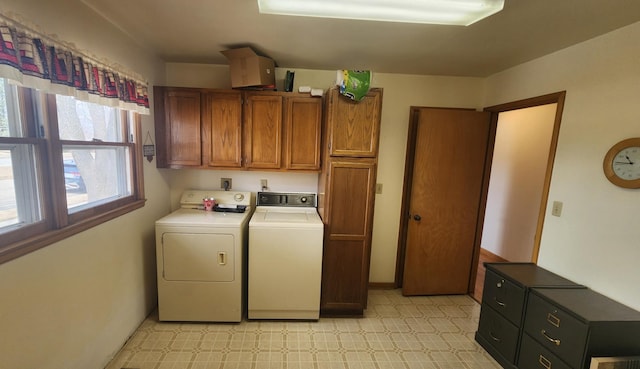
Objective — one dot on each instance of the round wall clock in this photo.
(622, 163)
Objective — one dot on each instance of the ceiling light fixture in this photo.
(449, 12)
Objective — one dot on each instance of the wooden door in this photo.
(354, 126)
(222, 129)
(303, 123)
(347, 243)
(263, 131)
(180, 128)
(445, 191)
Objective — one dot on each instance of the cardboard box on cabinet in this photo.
(249, 69)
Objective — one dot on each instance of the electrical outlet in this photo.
(263, 184)
(556, 209)
(378, 188)
(226, 184)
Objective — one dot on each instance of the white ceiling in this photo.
(197, 30)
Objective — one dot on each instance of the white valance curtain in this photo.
(33, 59)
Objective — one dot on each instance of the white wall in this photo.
(400, 93)
(518, 171)
(596, 240)
(73, 304)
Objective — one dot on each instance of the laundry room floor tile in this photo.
(396, 332)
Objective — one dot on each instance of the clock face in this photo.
(621, 164)
(626, 163)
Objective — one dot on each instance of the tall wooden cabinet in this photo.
(346, 200)
(232, 129)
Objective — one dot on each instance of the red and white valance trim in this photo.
(37, 61)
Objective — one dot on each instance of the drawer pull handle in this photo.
(544, 362)
(494, 337)
(554, 320)
(555, 341)
(499, 302)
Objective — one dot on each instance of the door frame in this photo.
(557, 98)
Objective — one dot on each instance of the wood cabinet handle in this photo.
(503, 304)
(555, 341)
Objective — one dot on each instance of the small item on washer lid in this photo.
(208, 203)
(227, 206)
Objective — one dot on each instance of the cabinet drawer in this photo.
(499, 332)
(556, 330)
(504, 296)
(534, 356)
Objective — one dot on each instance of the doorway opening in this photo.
(485, 210)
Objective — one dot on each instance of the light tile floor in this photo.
(396, 332)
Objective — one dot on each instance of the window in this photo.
(20, 203)
(95, 155)
(65, 165)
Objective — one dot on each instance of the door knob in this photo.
(417, 217)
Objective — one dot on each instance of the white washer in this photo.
(200, 258)
(285, 257)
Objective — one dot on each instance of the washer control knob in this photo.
(303, 200)
(238, 197)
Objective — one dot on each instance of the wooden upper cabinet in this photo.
(233, 129)
(178, 127)
(354, 126)
(263, 131)
(222, 129)
(303, 127)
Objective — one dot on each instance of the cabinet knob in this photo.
(417, 218)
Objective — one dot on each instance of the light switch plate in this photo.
(556, 209)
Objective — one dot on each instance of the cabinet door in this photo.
(303, 120)
(354, 126)
(263, 131)
(222, 129)
(348, 236)
(179, 134)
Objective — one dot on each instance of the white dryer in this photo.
(201, 257)
(285, 257)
